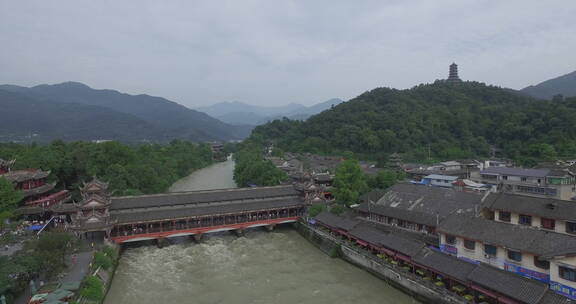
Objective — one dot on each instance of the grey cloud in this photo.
(275, 52)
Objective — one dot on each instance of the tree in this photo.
(9, 198)
(92, 289)
(349, 183)
(314, 210)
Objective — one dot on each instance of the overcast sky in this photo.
(272, 52)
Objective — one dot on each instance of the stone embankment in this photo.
(411, 284)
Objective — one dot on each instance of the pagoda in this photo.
(31, 182)
(453, 74)
(92, 215)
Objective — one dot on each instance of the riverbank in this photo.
(393, 275)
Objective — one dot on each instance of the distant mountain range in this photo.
(74, 111)
(238, 113)
(564, 85)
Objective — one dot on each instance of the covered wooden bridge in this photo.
(135, 218)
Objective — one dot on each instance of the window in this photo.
(548, 223)
(514, 255)
(541, 263)
(504, 177)
(450, 239)
(525, 220)
(523, 179)
(567, 273)
(504, 216)
(469, 244)
(490, 250)
(571, 227)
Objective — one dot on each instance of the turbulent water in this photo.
(261, 267)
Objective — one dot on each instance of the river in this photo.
(261, 267)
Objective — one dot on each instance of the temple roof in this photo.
(6, 163)
(18, 176)
(94, 185)
(38, 190)
(94, 201)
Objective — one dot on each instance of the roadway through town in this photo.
(261, 267)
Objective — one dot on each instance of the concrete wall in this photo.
(407, 282)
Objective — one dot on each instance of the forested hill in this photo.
(564, 85)
(445, 120)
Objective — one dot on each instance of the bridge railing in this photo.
(204, 221)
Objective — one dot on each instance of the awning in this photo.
(485, 291)
(403, 257)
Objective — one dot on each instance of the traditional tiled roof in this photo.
(550, 297)
(165, 213)
(424, 205)
(542, 207)
(94, 185)
(402, 214)
(516, 171)
(517, 237)
(372, 196)
(334, 221)
(18, 176)
(446, 264)
(6, 163)
(199, 197)
(38, 190)
(391, 241)
(510, 284)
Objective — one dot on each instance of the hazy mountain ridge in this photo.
(25, 118)
(239, 113)
(172, 119)
(564, 85)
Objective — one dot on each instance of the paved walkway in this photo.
(11, 249)
(74, 272)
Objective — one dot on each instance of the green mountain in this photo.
(564, 85)
(27, 119)
(162, 114)
(442, 120)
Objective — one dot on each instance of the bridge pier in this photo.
(162, 242)
(197, 237)
(239, 232)
(270, 227)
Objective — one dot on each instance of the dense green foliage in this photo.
(9, 198)
(443, 120)
(385, 179)
(316, 209)
(148, 168)
(102, 260)
(252, 169)
(349, 183)
(92, 288)
(44, 255)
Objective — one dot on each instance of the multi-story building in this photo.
(420, 208)
(557, 184)
(528, 251)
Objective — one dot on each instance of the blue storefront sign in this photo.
(449, 249)
(564, 290)
(543, 277)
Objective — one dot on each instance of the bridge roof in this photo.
(150, 215)
(198, 197)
